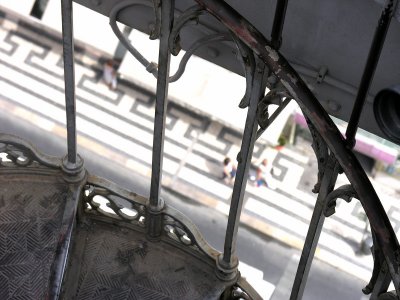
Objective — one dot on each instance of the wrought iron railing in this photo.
(264, 67)
(261, 60)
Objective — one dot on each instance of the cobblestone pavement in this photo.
(119, 125)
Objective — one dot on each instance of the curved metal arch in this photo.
(263, 48)
(345, 192)
(218, 37)
(191, 13)
(151, 67)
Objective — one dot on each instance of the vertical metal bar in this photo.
(277, 26)
(155, 203)
(244, 157)
(69, 78)
(58, 268)
(314, 230)
(369, 70)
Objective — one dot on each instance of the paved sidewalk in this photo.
(119, 125)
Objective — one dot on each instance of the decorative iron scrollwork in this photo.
(182, 231)
(249, 66)
(191, 14)
(100, 200)
(177, 231)
(15, 152)
(200, 43)
(13, 156)
(380, 277)
(321, 151)
(275, 96)
(237, 293)
(151, 67)
(345, 192)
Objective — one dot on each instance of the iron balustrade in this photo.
(91, 199)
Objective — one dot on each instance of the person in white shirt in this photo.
(229, 171)
(110, 75)
(263, 173)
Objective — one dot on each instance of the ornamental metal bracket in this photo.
(380, 277)
(16, 152)
(275, 96)
(345, 192)
(249, 65)
(218, 37)
(321, 151)
(191, 14)
(151, 67)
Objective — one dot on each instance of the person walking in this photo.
(229, 170)
(110, 75)
(263, 172)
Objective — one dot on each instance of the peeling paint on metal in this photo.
(272, 53)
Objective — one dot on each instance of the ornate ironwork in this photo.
(151, 67)
(249, 65)
(15, 157)
(320, 119)
(243, 288)
(345, 192)
(321, 152)
(188, 54)
(100, 200)
(191, 14)
(161, 222)
(275, 96)
(103, 198)
(15, 152)
(181, 230)
(317, 118)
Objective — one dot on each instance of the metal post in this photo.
(154, 221)
(277, 26)
(72, 163)
(369, 70)
(314, 230)
(227, 264)
(69, 78)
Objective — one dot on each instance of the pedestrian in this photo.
(110, 75)
(263, 174)
(229, 170)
